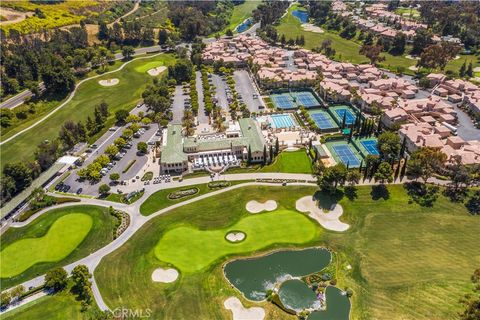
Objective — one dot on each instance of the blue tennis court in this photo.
(322, 120)
(371, 147)
(349, 118)
(306, 99)
(346, 155)
(283, 101)
(282, 121)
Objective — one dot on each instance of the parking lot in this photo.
(247, 91)
(178, 105)
(118, 165)
(202, 116)
(220, 91)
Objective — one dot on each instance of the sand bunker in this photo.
(256, 207)
(109, 82)
(156, 71)
(242, 313)
(235, 236)
(164, 275)
(413, 68)
(477, 69)
(412, 57)
(312, 28)
(328, 220)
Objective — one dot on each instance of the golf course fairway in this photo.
(191, 250)
(65, 234)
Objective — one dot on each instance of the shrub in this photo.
(182, 193)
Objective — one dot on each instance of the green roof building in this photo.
(177, 151)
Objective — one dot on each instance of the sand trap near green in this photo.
(149, 65)
(65, 234)
(191, 250)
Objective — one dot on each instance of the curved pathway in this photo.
(137, 220)
(70, 97)
(135, 8)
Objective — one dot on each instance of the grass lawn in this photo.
(346, 50)
(90, 94)
(408, 261)
(65, 234)
(240, 13)
(411, 13)
(207, 246)
(53, 239)
(143, 68)
(159, 200)
(290, 162)
(59, 306)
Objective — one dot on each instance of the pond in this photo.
(301, 15)
(338, 306)
(244, 25)
(253, 277)
(296, 295)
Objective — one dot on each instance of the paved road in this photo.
(20, 98)
(202, 117)
(465, 127)
(138, 220)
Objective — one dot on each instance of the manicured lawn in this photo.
(241, 12)
(159, 200)
(59, 306)
(346, 50)
(53, 239)
(206, 246)
(90, 94)
(411, 13)
(290, 162)
(408, 261)
(65, 234)
(149, 65)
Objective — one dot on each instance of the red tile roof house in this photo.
(393, 117)
(472, 101)
(435, 78)
(419, 135)
(334, 91)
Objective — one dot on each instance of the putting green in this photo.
(65, 234)
(190, 249)
(149, 65)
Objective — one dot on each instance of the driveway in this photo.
(202, 117)
(178, 105)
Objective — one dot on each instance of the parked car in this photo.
(79, 190)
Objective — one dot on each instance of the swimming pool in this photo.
(282, 121)
(244, 25)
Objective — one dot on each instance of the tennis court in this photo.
(370, 146)
(349, 117)
(282, 121)
(282, 101)
(346, 155)
(306, 99)
(323, 120)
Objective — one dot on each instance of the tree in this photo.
(398, 44)
(162, 37)
(425, 161)
(469, 71)
(372, 52)
(229, 33)
(332, 177)
(17, 292)
(58, 79)
(438, 55)
(114, 176)
(128, 52)
(104, 189)
(388, 145)
(111, 150)
(146, 121)
(56, 279)
(121, 115)
(473, 204)
(5, 299)
(120, 142)
(463, 69)
(82, 285)
(471, 302)
(20, 173)
(421, 40)
(264, 154)
(142, 147)
(277, 147)
(384, 173)
(181, 71)
(353, 177)
(271, 154)
(249, 155)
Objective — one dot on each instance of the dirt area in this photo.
(13, 16)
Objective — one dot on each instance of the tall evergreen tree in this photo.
(249, 155)
(264, 154)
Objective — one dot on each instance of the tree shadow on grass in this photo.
(351, 192)
(421, 193)
(380, 192)
(326, 199)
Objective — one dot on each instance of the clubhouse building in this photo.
(211, 150)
